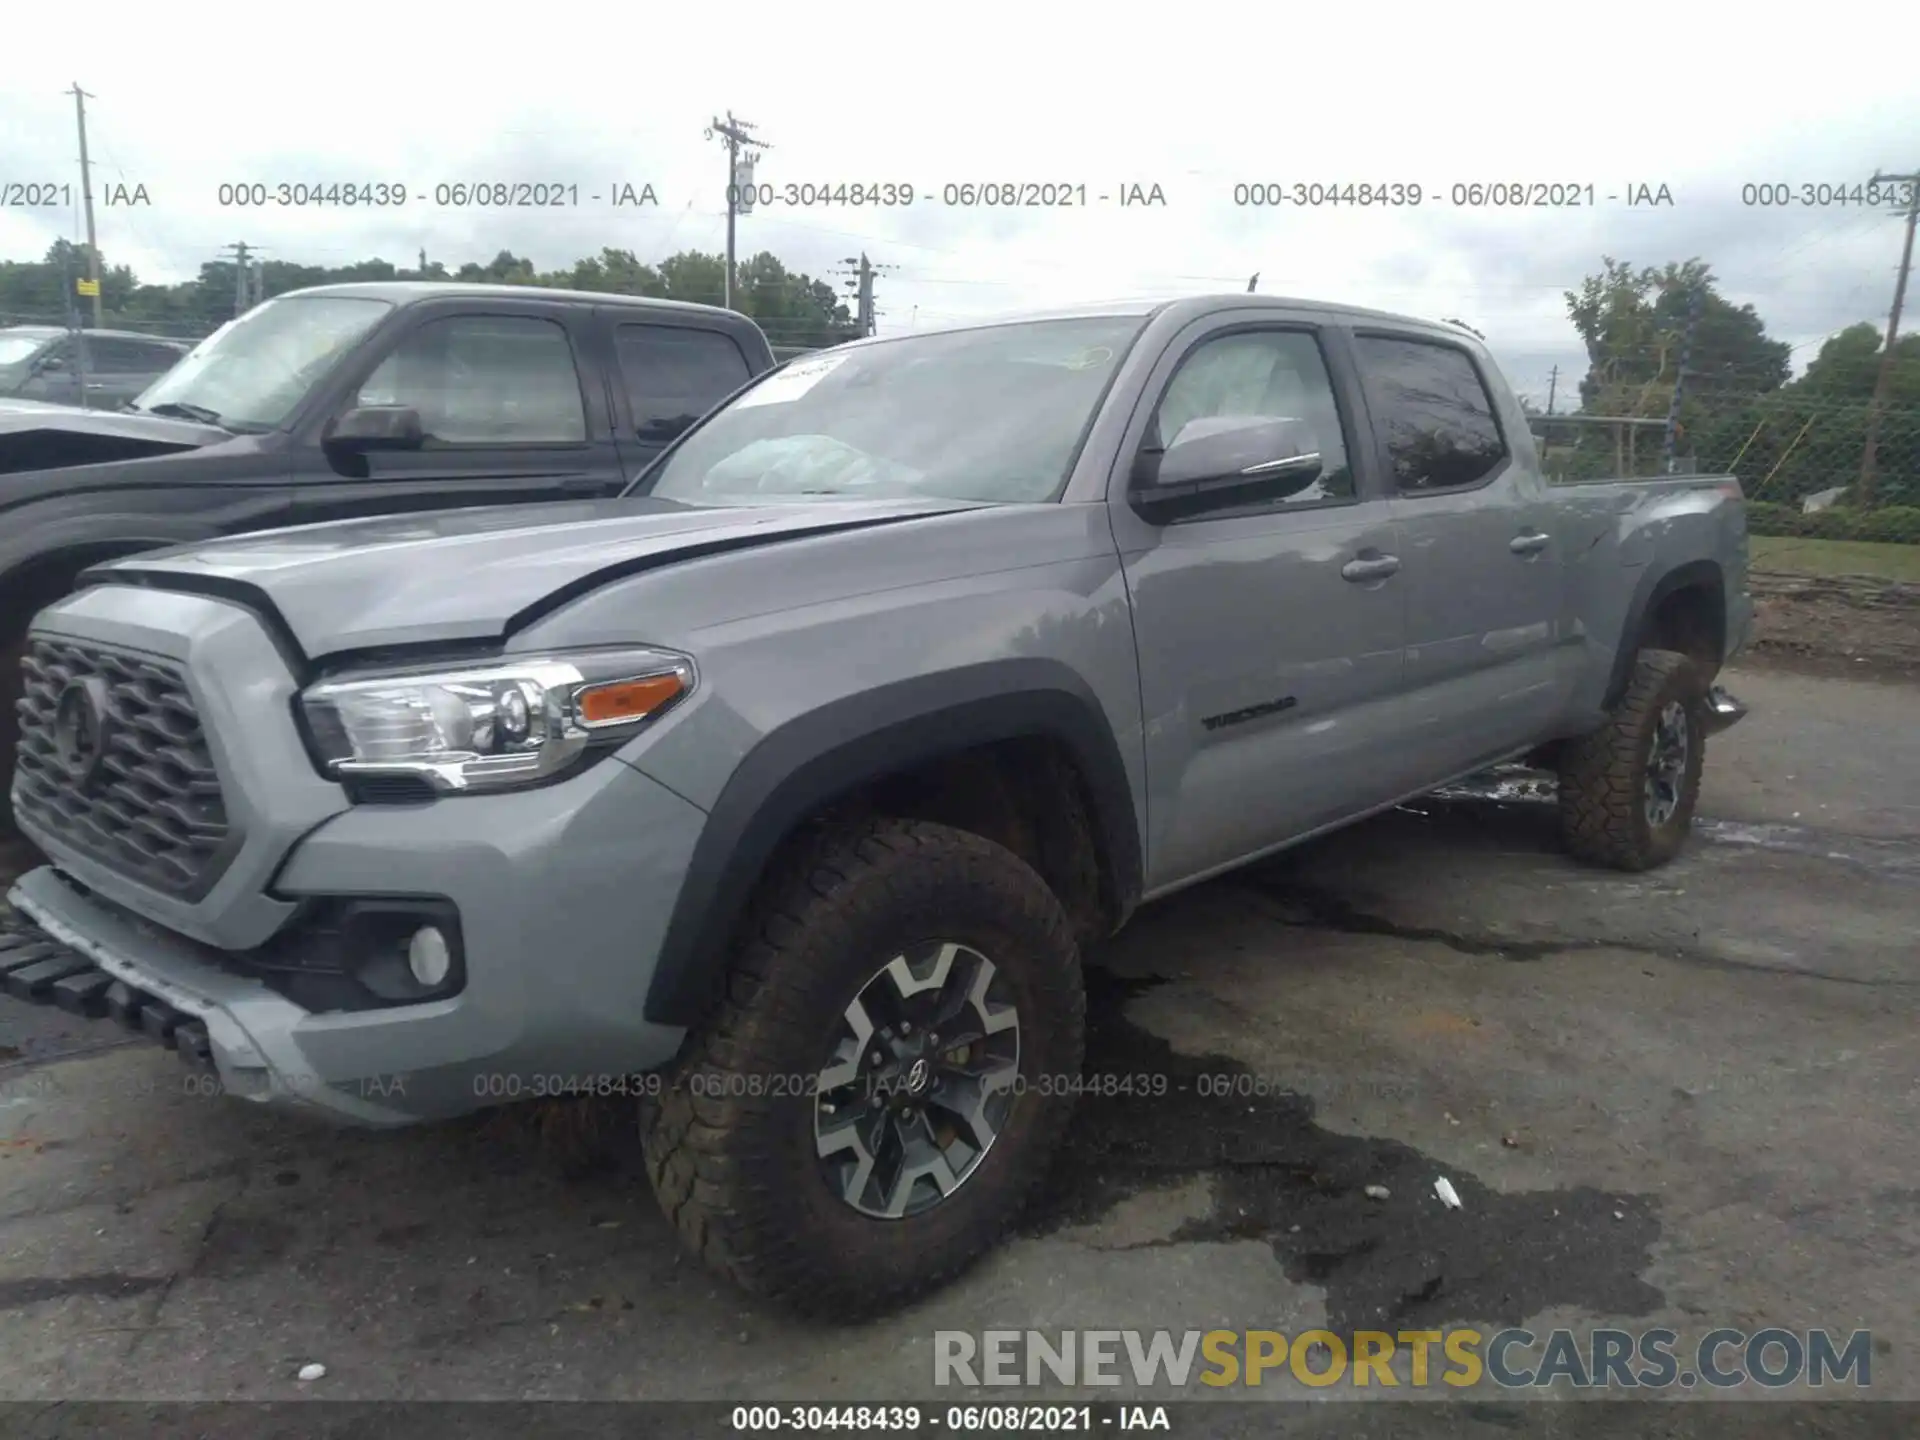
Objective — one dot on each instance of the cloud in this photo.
(1197, 100)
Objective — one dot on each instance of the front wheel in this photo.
(887, 1077)
(1627, 790)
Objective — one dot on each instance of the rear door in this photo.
(666, 376)
(1270, 635)
(503, 398)
(1482, 566)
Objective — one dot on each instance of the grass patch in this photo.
(1793, 555)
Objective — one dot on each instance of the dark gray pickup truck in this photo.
(785, 793)
(91, 369)
(345, 400)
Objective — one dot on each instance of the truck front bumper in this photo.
(563, 894)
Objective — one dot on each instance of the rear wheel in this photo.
(881, 1089)
(1628, 789)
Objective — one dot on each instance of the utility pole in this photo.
(860, 281)
(242, 254)
(736, 133)
(1884, 380)
(80, 98)
(75, 326)
(1553, 384)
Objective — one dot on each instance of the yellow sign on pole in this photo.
(87, 287)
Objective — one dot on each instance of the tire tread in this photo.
(703, 1154)
(1602, 776)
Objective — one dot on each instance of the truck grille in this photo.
(113, 762)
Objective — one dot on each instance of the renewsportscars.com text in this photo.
(1656, 1359)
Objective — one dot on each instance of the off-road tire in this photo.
(730, 1145)
(1603, 775)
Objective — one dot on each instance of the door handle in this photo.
(1529, 544)
(1374, 567)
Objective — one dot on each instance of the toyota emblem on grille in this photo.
(82, 726)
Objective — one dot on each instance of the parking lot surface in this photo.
(1684, 1099)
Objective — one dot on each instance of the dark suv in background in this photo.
(43, 362)
(354, 400)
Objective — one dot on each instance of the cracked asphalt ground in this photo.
(1684, 1099)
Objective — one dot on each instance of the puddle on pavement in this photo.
(1278, 1178)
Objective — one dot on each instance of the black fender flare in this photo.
(1654, 587)
(814, 758)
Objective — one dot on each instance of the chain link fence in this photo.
(1833, 511)
(1814, 487)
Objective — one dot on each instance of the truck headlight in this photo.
(496, 726)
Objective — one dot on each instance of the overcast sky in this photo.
(1193, 98)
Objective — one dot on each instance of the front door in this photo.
(1482, 568)
(506, 416)
(1270, 636)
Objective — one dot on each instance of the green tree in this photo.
(1634, 323)
(794, 308)
(1848, 366)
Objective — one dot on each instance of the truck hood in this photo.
(38, 436)
(474, 575)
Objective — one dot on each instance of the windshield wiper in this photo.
(180, 410)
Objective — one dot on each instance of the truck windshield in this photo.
(251, 373)
(993, 414)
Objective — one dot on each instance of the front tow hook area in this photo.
(1723, 710)
(40, 970)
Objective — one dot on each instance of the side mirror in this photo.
(51, 365)
(1224, 460)
(376, 427)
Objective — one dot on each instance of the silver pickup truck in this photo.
(785, 792)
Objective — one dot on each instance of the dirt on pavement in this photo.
(1858, 626)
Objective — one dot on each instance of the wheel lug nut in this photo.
(906, 1028)
(877, 1102)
